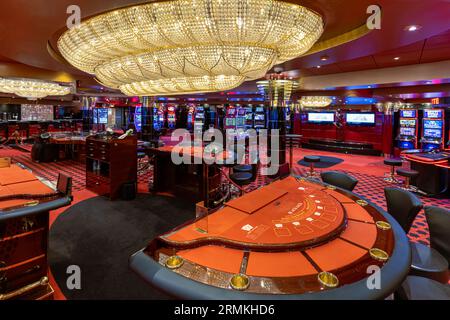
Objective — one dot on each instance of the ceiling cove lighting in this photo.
(32, 89)
(189, 46)
(315, 102)
(277, 89)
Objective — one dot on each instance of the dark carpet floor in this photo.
(100, 235)
(325, 162)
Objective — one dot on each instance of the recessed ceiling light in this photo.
(318, 67)
(397, 58)
(412, 28)
(324, 58)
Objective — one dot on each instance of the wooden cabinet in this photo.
(110, 163)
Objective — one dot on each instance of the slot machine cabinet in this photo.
(230, 118)
(408, 130)
(190, 117)
(240, 118)
(260, 118)
(171, 117)
(249, 117)
(199, 119)
(433, 129)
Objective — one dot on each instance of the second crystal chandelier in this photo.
(189, 46)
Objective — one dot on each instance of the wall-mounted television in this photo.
(360, 118)
(408, 113)
(321, 117)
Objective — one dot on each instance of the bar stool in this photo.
(242, 168)
(408, 174)
(241, 178)
(390, 177)
(311, 160)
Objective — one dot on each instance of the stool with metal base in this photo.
(390, 177)
(408, 174)
(311, 160)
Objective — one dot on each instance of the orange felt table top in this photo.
(15, 174)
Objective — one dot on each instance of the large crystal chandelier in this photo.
(277, 89)
(32, 89)
(187, 46)
(315, 102)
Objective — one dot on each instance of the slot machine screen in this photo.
(407, 123)
(408, 113)
(240, 121)
(231, 112)
(259, 117)
(432, 124)
(408, 131)
(241, 112)
(432, 133)
(432, 113)
(230, 122)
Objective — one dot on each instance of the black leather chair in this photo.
(426, 262)
(439, 225)
(339, 179)
(408, 174)
(418, 288)
(403, 206)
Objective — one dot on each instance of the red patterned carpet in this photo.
(368, 170)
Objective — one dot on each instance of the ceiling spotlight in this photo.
(397, 58)
(412, 28)
(324, 58)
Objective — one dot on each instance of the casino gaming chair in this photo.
(403, 206)
(418, 288)
(439, 225)
(339, 179)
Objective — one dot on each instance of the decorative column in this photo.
(148, 131)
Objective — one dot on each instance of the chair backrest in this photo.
(403, 206)
(339, 179)
(5, 162)
(64, 184)
(439, 225)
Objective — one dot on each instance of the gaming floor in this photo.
(368, 170)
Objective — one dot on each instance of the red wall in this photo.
(379, 135)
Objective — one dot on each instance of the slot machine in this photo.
(199, 119)
(171, 117)
(288, 113)
(190, 117)
(249, 117)
(138, 118)
(230, 118)
(260, 118)
(240, 119)
(408, 129)
(433, 125)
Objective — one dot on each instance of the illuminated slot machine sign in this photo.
(408, 130)
(171, 117)
(199, 119)
(260, 118)
(230, 118)
(433, 129)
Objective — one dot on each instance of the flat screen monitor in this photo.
(321, 117)
(432, 124)
(432, 133)
(231, 111)
(408, 131)
(241, 112)
(102, 116)
(407, 123)
(199, 116)
(360, 118)
(259, 117)
(408, 113)
(240, 122)
(432, 113)
(259, 109)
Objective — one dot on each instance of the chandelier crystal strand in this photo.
(32, 89)
(315, 102)
(188, 39)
